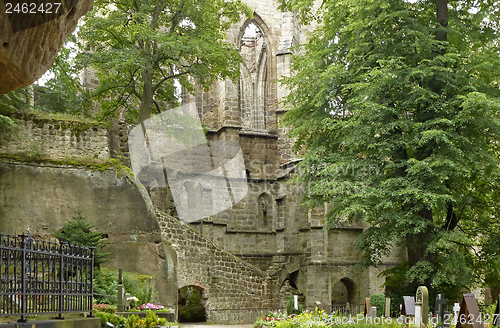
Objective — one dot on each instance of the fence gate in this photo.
(41, 276)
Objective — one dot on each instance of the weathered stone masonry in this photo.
(241, 292)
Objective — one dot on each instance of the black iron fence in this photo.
(39, 276)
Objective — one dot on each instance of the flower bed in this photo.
(320, 319)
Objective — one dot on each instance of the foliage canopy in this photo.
(140, 48)
(397, 104)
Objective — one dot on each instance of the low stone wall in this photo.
(58, 140)
(233, 291)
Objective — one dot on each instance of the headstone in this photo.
(422, 307)
(296, 302)
(127, 301)
(367, 306)
(408, 308)
(439, 310)
(497, 313)
(456, 310)
(387, 307)
(373, 312)
(469, 317)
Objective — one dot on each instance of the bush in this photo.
(378, 300)
(105, 308)
(138, 286)
(290, 308)
(103, 316)
(106, 283)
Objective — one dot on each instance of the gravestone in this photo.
(456, 310)
(469, 317)
(367, 307)
(387, 307)
(439, 310)
(373, 312)
(408, 308)
(422, 307)
(497, 313)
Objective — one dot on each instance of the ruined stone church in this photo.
(268, 228)
(244, 260)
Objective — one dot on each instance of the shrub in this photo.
(105, 283)
(105, 308)
(139, 286)
(378, 300)
(132, 321)
(103, 316)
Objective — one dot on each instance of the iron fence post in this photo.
(61, 280)
(92, 282)
(23, 280)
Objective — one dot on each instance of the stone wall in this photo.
(233, 291)
(58, 140)
(44, 196)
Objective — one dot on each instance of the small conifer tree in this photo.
(78, 231)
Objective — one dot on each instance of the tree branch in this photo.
(167, 78)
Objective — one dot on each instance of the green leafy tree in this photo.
(11, 103)
(78, 232)
(139, 48)
(397, 105)
(64, 93)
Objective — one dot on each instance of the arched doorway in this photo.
(344, 291)
(191, 305)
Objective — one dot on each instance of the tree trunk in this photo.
(417, 244)
(147, 95)
(147, 89)
(442, 18)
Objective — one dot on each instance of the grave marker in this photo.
(408, 307)
(121, 291)
(373, 312)
(456, 310)
(422, 307)
(439, 310)
(367, 306)
(387, 307)
(469, 316)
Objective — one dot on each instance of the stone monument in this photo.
(422, 307)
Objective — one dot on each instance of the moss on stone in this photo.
(111, 164)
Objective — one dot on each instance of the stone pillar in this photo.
(121, 291)
(318, 285)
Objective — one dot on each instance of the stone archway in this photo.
(191, 304)
(343, 291)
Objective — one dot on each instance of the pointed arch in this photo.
(258, 73)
